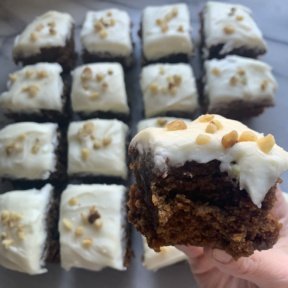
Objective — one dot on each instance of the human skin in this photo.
(265, 269)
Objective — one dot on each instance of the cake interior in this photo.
(197, 204)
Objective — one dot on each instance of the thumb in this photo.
(266, 269)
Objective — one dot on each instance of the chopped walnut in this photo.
(205, 118)
(33, 37)
(110, 72)
(93, 215)
(241, 72)
(103, 33)
(52, 31)
(230, 139)
(106, 141)
(87, 243)
(164, 28)
(86, 74)
(13, 148)
(28, 74)
(176, 125)
(104, 86)
(211, 128)
(7, 243)
(98, 223)
(153, 87)
(67, 224)
(247, 136)
(79, 231)
(85, 152)
(264, 85)
(42, 74)
(228, 30)
(180, 28)
(161, 122)
(31, 90)
(72, 201)
(87, 130)
(39, 27)
(216, 72)
(233, 81)
(98, 26)
(239, 17)
(266, 143)
(217, 123)
(94, 95)
(100, 77)
(12, 78)
(36, 147)
(203, 139)
(97, 144)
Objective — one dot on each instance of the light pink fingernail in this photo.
(221, 256)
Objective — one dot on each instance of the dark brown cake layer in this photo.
(126, 62)
(239, 109)
(214, 51)
(197, 204)
(65, 56)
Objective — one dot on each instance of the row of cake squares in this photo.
(91, 231)
(165, 32)
(234, 86)
(36, 152)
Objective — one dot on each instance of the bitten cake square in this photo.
(157, 122)
(28, 150)
(97, 147)
(35, 92)
(24, 229)
(230, 29)
(169, 89)
(106, 36)
(201, 183)
(238, 87)
(48, 38)
(99, 90)
(93, 227)
(166, 33)
(167, 256)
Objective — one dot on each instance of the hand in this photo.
(265, 269)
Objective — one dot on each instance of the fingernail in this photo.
(221, 256)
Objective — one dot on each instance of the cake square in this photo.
(99, 89)
(48, 38)
(238, 87)
(166, 33)
(169, 89)
(97, 147)
(29, 151)
(167, 256)
(156, 122)
(93, 227)
(230, 29)
(35, 92)
(201, 183)
(24, 229)
(106, 36)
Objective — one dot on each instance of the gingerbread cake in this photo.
(207, 183)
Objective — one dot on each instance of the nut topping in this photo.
(247, 136)
(230, 139)
(203, 139)
(176, 125)
(266, 143)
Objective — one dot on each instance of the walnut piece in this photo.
(230, 139)
(176, 125)
(266, 143)
(203, 139)
(247, 136)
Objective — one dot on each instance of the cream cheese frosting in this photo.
(107, 31)
(168, 88)
(34, 88)
(248, 156)
(23, 229)
(239, 78)
(166, 30)
(99, 87)
(231, 25)
(27, 150)
(156, 122)
(97, 147)
(51, 29)
(167, 256)
(92, 227)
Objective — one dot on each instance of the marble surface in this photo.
(272, 17)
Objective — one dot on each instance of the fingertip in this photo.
(221, 256)
(191, 251)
